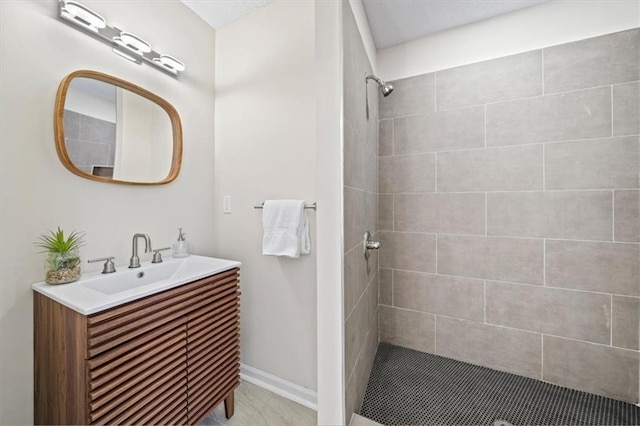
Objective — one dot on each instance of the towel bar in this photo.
(313, 206)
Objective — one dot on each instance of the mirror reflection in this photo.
(114, 134)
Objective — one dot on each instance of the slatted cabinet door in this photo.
(168, 358)
(213, 348)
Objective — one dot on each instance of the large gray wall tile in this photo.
(408, 251)
(358, 377)
(565, 313)
(408, 173)
(450, 213)
(385, 287)
(385, 212)
(358, 273)
(594, 266)
(566, 116)
(510, 77)
(88, 154)
(495, 169)
(583, 215)
(356, 63)
(71, 124)
(598, 61)
(96, 130)
(409, 329)
(504, 259)
(414, 95)
(360, 161)
(438, 294)
(440, 131)
(360, 215)
(355, 331)
(385, 138)
(626, 109)
(602, 370)
(626, 322)
(591, 164)
(501, 348)
(626, 214)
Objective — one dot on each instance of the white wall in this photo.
(88, 104)
(38, 193)
(265, 149)
(548, 24)
(329, 161)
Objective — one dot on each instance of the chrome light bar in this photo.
(123, 43)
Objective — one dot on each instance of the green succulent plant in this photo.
(63, 251)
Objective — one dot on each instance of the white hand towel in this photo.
(286, 228)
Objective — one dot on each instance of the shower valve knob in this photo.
(368, 244)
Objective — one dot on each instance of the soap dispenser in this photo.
(180, 248)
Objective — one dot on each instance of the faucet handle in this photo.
(108, 264)
(157, 257)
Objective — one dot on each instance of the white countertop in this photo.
(124, 285)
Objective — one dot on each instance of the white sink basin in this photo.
(95, 292)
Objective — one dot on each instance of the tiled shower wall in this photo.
(90, 141)
(360, 215)
(509, 213)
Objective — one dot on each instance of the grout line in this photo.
(393, 136)
(514, 283)
(435, 333)
(542, 70)
(435, 163)
(393, 288)
(611, 111)
(485, 126)
(573, 240)
(486, 214)
(544, 262)
(544, 170)
(485, 301)
(611, 324)
(393, 212)
(523, 98)
(478, 148)
(518, 191)
(541, 356)
(435, 92)
(613, 215)
(436, 253)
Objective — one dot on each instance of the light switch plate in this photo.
(226, 204)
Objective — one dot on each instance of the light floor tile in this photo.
(256, 406)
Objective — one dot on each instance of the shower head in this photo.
(385, 88)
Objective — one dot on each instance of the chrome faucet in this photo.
(134, 262)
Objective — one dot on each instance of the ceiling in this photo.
(392, 22)
(218, 13)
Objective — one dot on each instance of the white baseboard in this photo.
(284, 388)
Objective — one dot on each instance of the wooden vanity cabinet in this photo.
(169, 358)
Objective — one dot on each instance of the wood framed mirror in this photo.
(109, 130)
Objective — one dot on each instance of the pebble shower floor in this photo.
(408, 387)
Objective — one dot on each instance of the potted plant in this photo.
(63, 261)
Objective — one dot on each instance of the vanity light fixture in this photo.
(170, 63)
(133, 43)
(82, 15)
(123, 43)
